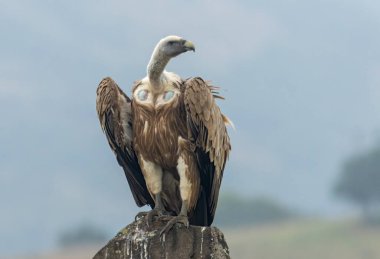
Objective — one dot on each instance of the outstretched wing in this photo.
(114, 112)
(208, 132)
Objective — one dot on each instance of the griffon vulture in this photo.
(170, 138)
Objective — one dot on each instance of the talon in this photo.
(182, 219)
(156, 212)
(166, 217)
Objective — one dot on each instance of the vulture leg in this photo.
(188, 184)
(158, 211)
(153, 177)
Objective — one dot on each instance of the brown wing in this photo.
(208, 132)
(114, 112)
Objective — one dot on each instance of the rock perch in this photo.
(137, 240)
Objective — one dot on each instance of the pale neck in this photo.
(156, 66)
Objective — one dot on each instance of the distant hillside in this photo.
(236, 210)
(314, 239)
(303, 239)
(84, 252)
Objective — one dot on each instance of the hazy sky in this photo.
(301, 81)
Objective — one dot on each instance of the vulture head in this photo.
(172, 46)
(167, 48)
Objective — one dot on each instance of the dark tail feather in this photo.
(200, 216)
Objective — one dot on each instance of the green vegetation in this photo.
(234, 210)
(312, 239)
(359, 183)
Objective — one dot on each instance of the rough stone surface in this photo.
(137, 240)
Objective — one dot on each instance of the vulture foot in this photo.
(181, 219)
(150, 215)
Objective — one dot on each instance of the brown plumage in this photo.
(170, 139)
(114, 112)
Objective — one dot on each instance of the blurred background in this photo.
(302, 84)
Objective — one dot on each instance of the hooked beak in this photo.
(189, 46)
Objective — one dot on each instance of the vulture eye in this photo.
(142, 95)
(171, 42)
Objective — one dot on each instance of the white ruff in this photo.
(154, 98)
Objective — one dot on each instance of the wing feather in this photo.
(114, 112)
(207, 129)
